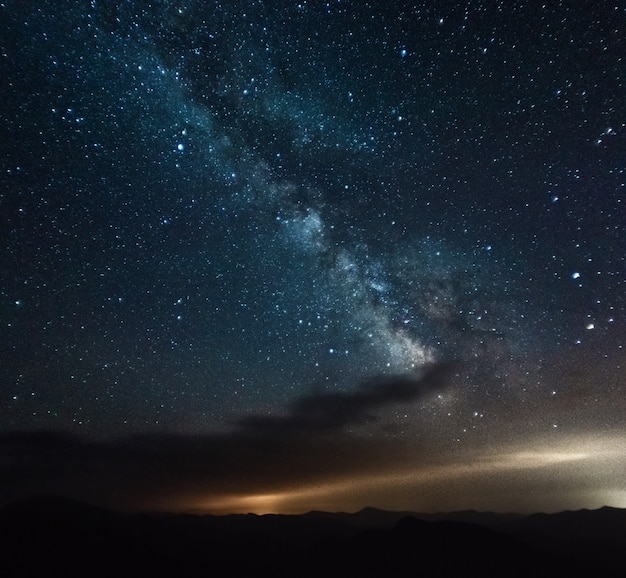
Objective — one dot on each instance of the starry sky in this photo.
(276, 256)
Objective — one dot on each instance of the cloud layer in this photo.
(262, 453)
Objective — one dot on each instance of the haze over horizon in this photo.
(288, 256)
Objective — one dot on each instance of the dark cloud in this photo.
(262, 454)
(154, 471)
(329, 411)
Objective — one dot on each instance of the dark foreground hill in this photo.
(54, 536)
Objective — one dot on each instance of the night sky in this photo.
(281, 256)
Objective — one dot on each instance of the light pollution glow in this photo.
(586, 471)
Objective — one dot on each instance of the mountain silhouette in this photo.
(51, 535)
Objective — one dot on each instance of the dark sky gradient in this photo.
(281, 256)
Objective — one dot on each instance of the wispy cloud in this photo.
(329, 411)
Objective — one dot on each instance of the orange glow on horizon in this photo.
(477, 483)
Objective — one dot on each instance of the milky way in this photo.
(216, 213)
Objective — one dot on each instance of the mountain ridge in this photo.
(54, 532)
